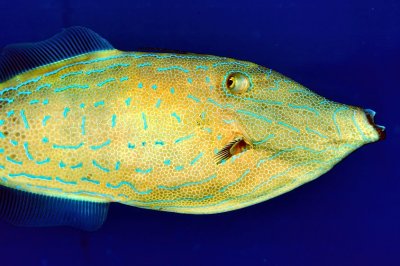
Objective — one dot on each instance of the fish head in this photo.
(276, 114)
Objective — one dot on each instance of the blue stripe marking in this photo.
(158, 103)
(159, 142)
(100, 84)
(289, 126)
(358, 127)
(236, 181)
(146, 64)
(26, 148)
(96, 164)
(117, 165)
(143, 171)
(24, 92)
(97, 104)
(125, 183)
(113, 120)
(264, 140)
(334, 119)
(316, 132)
(47, 160)
(226, 106)
(76, 166)
(189, 183)
(197, 100)
(145, 126)
(66, 111)
(34, 101)
(184, 138)
(13, 142)
(190, 80)
(45, 118)
(58, 179)
(74, 86)
(202, 67)
(123, 79)
(167, 162)
(85, 179)
(68, 147)
(260, 117)
(43, 86)
(10, 113)
(71, 74)
(228, 121)
(31, 176)
(160, 69)
(177, 117)
(179, 168)
(26, 124)
(13, 161)
(83, 125)
(97, 147)
(304, 107)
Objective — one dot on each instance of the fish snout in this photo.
(370, 114)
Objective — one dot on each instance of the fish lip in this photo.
(370, 114)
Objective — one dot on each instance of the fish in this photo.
(83, 125)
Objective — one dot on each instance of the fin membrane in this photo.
(28, 209)
(74, 41)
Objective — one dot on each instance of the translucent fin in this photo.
(28, 209)
(18, 58)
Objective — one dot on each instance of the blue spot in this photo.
(46, 101)
(62, 164)
(189, 80)
(26, 148)
(172, 90)
(14, 142)
(154, 86)
(219, 137)
(97, 104)
(113, 120)
(66, 110)
(47, 160)
(128, 101)
(82, 105)
(167, 162)
(158, 103)
(117, 165)
(26, 124)
(44, 121)
(131, 146)
(144, 121)
(45, 140)
(97, 147)
(208, 79)
(2, 122)
(79, 165)
(100, 167)
(144, 143)
(143, 171)
(140, 85)
(13, 161)
(177, 117)
(1, 150)
(10, 113)
(2, 136)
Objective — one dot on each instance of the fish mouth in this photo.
(379, 129)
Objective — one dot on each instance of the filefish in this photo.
(83, 125)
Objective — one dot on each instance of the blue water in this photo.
(346, 50)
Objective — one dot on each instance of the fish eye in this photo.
(237, 83)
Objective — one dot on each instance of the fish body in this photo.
(174, 132)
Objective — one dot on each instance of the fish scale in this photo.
(145, 129)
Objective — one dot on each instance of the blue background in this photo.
(346, 50)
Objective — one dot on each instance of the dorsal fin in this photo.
(74, 41)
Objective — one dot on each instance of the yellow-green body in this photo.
(143, 129)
